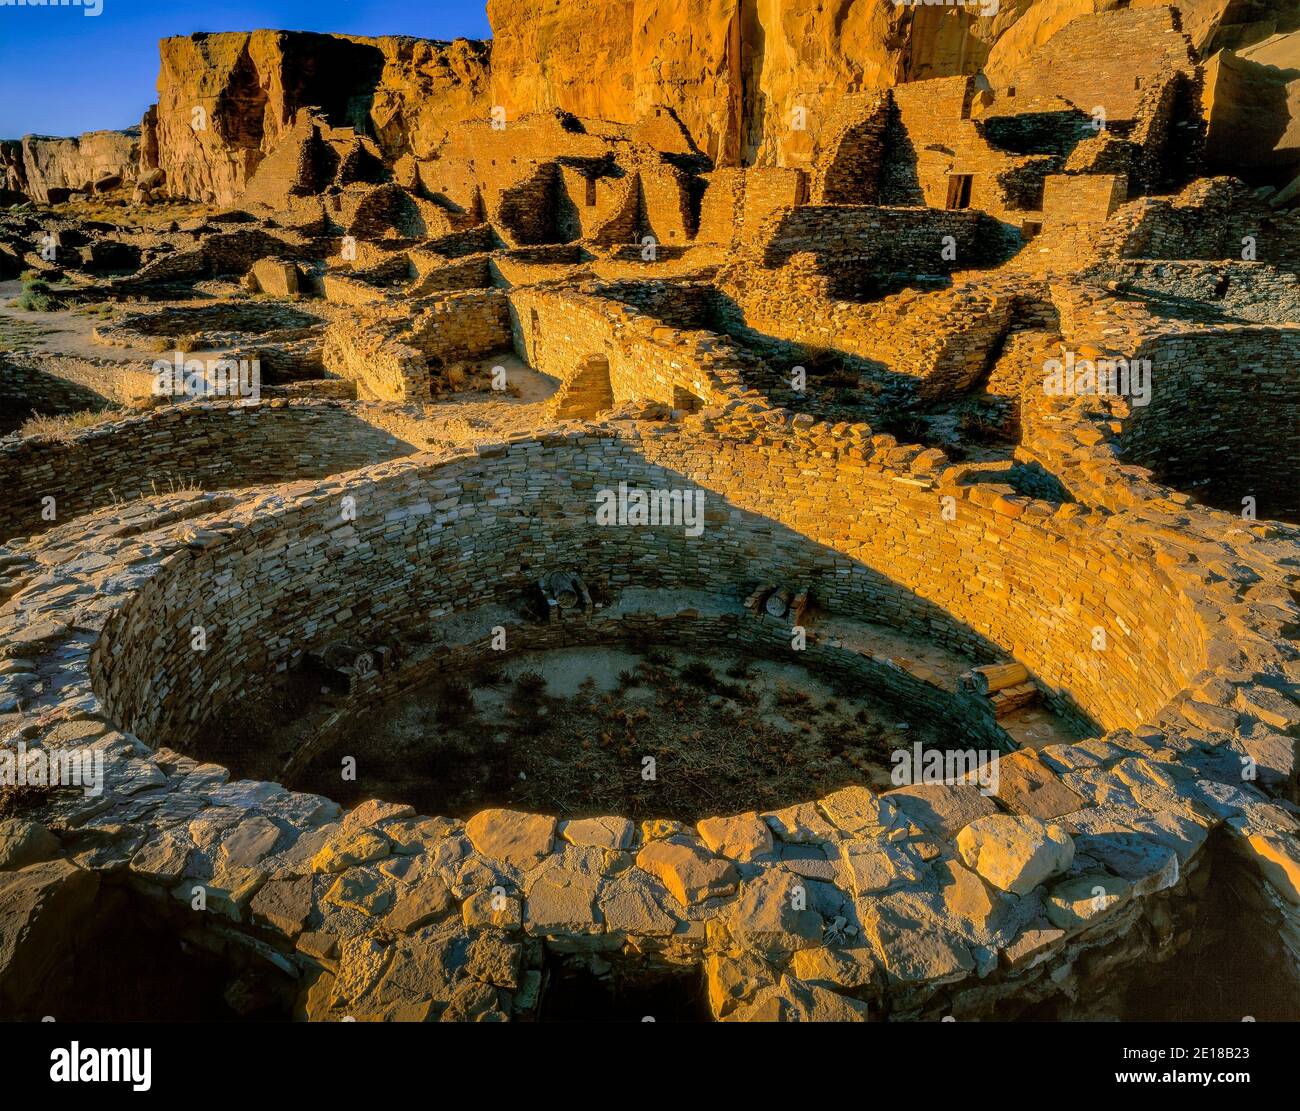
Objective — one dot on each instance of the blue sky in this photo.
(63, 71)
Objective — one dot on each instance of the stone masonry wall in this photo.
(850, 155)
(1209, 220)
(462, 326)
(1104, 59)
(738, 202)
(1252, 291)
(557, 332)
(213, 446)
(388, 350)
(888, 239)
(930, 136)
(1223, 413)
(1082, 198)
(25, 390)
(942, 340)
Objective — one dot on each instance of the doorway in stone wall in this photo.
(959, 187)
(686, 401)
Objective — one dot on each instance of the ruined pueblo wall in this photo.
(1103, 60)
(889, 239)
(557, 333)
(392, 356)
(29, 389)
(1082, 198)
(462, 325)
(737, 203)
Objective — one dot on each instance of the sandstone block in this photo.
(348, 848)
(689, 873)
(772, 913)
(360, 890)
(23, 843)
(428, 901)
(283, 905)
(942, 808)
(634, 903)
(1077, 902)
(561, 899)
(1028, 786)
(604, 833)
(487, 908)
(742, 837)
(733, 979)
(1015, 853)
(276, 277)
(856, 810)
(511, 836)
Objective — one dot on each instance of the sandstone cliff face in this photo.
(733, 71)
(752, 82)
(615, 60)
(13, 178)
(59, 166)
(225, 100)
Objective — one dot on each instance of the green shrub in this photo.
(36, 297)
(36, 302)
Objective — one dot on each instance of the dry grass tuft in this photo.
(66, 425)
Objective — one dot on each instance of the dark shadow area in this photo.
(751, 109)
(125, 965)
(574, 994)
(530, 210)
(733, 726)
(1253, 114)
(91, 478)
(1233, 966)
(1055, 133)
(1204, 953)
(900, 181)
(27, 391)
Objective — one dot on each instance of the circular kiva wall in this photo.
(1084, 607)
(205, 445)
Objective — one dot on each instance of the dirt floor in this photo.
(590, 731)
(65, 331)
